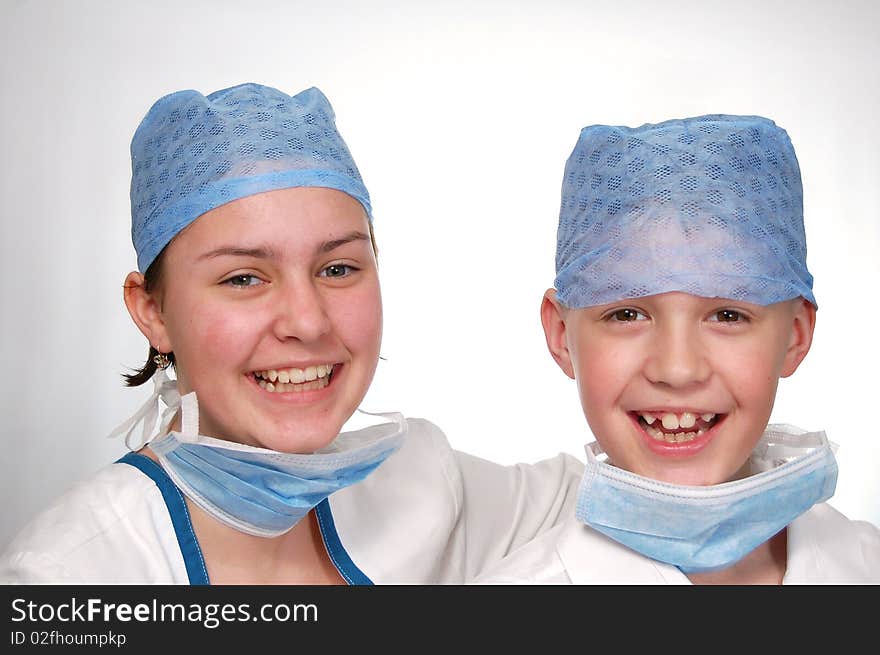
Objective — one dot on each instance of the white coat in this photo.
(427, 515)
(824, 547)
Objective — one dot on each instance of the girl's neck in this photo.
(232, 557)
(298, 557)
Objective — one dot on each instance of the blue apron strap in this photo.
(347, 568)
(186, 538)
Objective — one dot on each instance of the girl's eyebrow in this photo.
(235, 251)
(266, 252)
(327, 246)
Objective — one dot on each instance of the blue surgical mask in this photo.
(255, 490)
(706, 528)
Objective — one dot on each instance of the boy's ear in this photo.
(803, 325)
(552, 318)
(146, 311)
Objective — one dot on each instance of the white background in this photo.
(460, 116)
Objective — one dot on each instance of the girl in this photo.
(257, 281)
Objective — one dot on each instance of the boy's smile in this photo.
(678, 387)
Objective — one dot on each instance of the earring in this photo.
(161, 360)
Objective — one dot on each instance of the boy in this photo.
(682, 296)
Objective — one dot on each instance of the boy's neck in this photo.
(765, 565)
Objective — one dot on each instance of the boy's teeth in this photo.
(670, 421)
(687, 420)
(672, 437)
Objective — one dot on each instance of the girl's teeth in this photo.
(670, 421)
(687, 420)
(649, 419)
(707, 417)
(295, 375)
(282, 387)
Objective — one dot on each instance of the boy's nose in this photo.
(301, 313)
(677, 358)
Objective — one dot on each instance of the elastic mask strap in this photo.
(593, 451)
(397, 417)
(148, 413)
(189, 418)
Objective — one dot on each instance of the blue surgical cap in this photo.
(710, 205)
(192, 153)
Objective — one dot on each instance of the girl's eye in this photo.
(627, 315)
(337, 270)
(727, 316)
(243, 280)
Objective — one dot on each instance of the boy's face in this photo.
(677, 387)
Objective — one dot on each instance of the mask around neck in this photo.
(706, 528)
(256, 490)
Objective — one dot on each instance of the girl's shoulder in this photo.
(97, 532)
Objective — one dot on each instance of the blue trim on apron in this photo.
(347, 568)
(186, 538)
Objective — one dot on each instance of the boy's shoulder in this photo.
(575, 553)
(826, 547)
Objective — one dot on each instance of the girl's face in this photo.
(272, 307)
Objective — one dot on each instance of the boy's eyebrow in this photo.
(265, 252)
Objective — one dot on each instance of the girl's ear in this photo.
(146, 311)
(802, 327)
(553, 320)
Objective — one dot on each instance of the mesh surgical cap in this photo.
(192, 153)
(710, 205)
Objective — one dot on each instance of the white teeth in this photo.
(672, 421)
(670, 437)
(295, 375)
(281, 387)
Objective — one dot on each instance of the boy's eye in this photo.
(727, 316)
(627, 314)
(337, 270)
(243, 280)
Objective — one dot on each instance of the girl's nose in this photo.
(301, 313)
